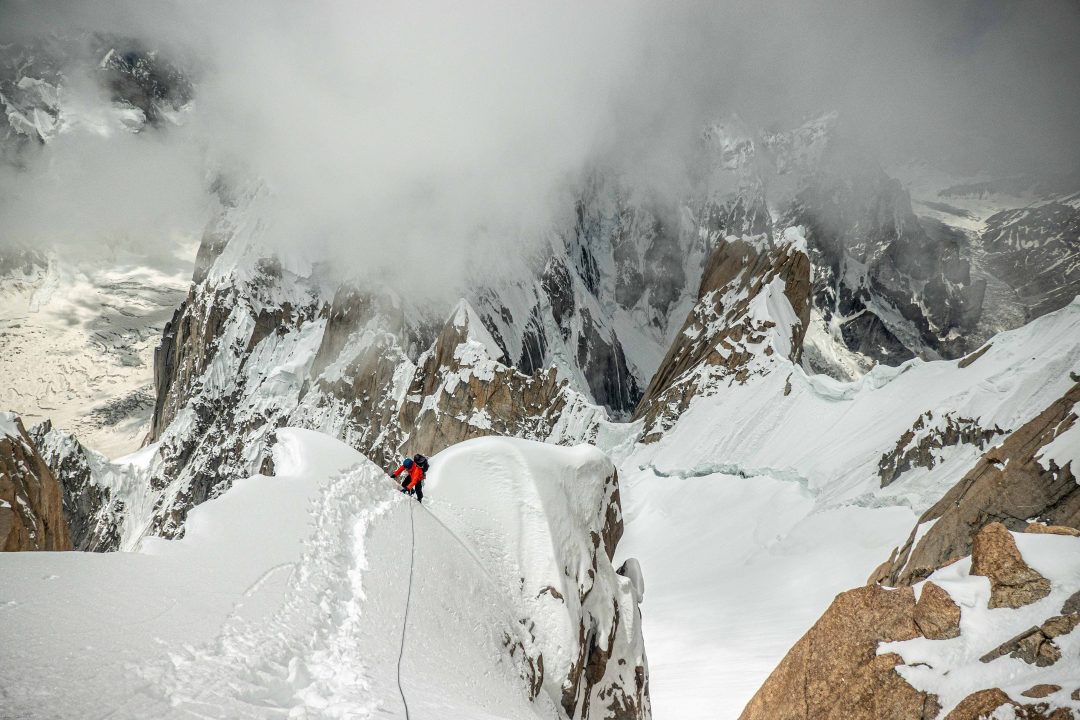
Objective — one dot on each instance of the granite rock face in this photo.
(1009, 485)
(897, 286)
(752, 308)
(1033, 250)
(834, 670)
(31, 502)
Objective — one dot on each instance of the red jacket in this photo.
(415, 475)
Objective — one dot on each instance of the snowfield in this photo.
(758, 507)
(295, 596)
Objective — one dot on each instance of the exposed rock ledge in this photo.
(31, 508)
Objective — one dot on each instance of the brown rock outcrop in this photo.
(719, 337)
(1007, 485)
(455, 396)
(834, 670)
(1036, 645)
(1041, 690)
(972, 357)
(916, 448)
(1041, 529)
(1013, 583)
(936, 615)
(31, 504)
(1032, 646)
(1060, 625)
(980, 705)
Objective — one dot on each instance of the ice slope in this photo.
(757, 508)
(290, 595)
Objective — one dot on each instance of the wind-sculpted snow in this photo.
(552, 517)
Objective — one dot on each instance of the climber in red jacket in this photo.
(414, 476)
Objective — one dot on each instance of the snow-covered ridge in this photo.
(315, 580)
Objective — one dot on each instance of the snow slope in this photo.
(758, 507)
(290, 595)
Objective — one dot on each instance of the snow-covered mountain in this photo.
(790, 366)
(41, 95)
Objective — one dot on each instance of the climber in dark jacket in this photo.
(413, 483)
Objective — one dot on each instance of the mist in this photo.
(440, 139)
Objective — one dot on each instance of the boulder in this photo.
(1031, 646)
(1041, 690)
(1041, 529)
(834, 670)
(982, 704)
(1072, 604)
(979, 705)
(1013, 583)
(1060, 625)
(936, 615)
(1035, 645)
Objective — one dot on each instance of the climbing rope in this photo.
(408, 600)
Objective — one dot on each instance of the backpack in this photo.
(421, 461)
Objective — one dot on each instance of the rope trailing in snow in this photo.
(408, 601)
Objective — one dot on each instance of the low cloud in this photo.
(444, 138)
